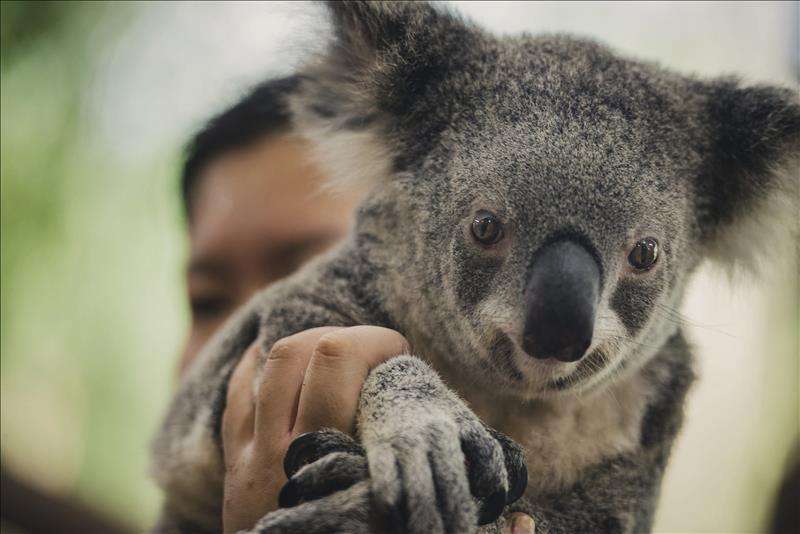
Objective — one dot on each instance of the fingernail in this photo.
(523, 524)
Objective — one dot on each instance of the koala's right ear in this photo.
(368, 102)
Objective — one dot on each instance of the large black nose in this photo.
(561, 298)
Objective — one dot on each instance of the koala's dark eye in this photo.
(644, 254)
(487, 228)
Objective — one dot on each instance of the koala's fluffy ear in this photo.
(366, 101)
(748, 190)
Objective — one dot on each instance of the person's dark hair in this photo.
(260, 113)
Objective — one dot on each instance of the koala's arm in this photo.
(425, 463)
(430, 456)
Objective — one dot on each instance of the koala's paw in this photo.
(447, 475)
(438, 477)
(419, 481)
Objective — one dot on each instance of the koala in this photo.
(537, 207)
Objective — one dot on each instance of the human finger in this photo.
(239, 416)
(340, 363)
(519, 523)
(280, 382)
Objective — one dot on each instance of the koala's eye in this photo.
(644, 254)
(487, 228)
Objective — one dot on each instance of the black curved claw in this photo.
(515, 466)
(311, 446)
(483, 471)
(327, 475)
(492, 507)
(289, 495)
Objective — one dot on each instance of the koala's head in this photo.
(540, 201)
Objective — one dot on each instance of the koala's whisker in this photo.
(622, 340)
(685, 319)
(681, 319)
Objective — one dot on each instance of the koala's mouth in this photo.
(590, 366)
(505, 352)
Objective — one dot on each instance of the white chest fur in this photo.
(562, 437)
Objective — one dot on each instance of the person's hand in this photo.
(311, 380)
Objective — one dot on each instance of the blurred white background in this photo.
(166, 67)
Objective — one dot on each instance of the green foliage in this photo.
(24, 23)
(92, 310)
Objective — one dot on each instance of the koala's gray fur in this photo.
(562, 139)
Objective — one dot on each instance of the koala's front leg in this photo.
(429, 454)
(425, 463)
(432, 464)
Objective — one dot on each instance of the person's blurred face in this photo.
(257, 215)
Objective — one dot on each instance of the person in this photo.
(253, 206)
(256, 213)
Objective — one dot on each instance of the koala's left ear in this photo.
(751, 171)
(374, 100)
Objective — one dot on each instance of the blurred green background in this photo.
(91, 287)
(97, 99)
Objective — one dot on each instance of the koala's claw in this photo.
(492, 507)
(311, 446)
(495, 467)
(516, 469)
(334, 472)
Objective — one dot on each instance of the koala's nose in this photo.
(561, 299)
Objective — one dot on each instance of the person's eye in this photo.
(283, 267)
(487, 229)
(644, 254)
(209, 307)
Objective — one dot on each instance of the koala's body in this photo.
(538, 205)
